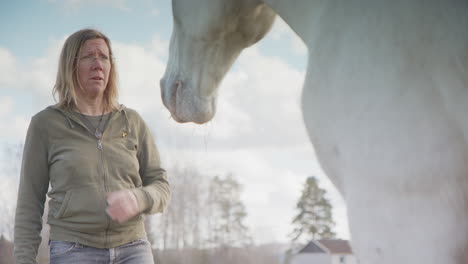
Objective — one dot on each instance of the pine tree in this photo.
(314, 219)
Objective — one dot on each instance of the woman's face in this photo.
(93, 68)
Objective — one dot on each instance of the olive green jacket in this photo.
(60, 150)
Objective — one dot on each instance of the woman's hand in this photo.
(122, 205)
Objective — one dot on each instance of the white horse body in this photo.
(384, 104)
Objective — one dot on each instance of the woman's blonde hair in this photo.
(67, 75)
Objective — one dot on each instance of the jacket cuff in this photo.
(142, 199)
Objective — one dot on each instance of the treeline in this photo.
(204, 212)
(205, 223)
(263, 254)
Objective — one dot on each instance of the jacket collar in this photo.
(71, 115)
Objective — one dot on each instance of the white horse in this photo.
(385, 103)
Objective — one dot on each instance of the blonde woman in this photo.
(101, 163)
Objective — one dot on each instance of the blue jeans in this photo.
(139, 251)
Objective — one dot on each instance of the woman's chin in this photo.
(94, 91)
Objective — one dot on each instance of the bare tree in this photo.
(6, 251)
(10, 171)
(9, 179)
(204, 223)
(228, 213)
(180, 225)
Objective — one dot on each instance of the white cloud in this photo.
(35, 76)
(282, 31)
(75, 5)
(267, 91)
(159, 46)
(139, 70)
(155, 12)
(298, 46)
(19, 127)
(15, 128)
(26, 88)
(8, 68)
(42, 73)
(6, 105)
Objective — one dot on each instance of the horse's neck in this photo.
(373, 20)
(354, 39)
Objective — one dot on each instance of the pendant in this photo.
(99, 144)
(97, 134)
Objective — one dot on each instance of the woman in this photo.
(100, 161)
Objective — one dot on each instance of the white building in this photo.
(325, 251)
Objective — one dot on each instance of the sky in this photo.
(257, 134)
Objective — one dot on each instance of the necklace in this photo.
(97, 132)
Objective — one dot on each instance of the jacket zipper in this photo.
(106, 190)
(109, 223)
(100, 147)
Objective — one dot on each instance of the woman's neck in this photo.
(90, 107)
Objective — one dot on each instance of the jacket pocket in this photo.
(83, 209)
(63, 207)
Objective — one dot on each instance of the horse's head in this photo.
(208, 36)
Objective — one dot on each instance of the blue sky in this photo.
(257, 134)
(28, 26)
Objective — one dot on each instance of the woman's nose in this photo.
(97, 64)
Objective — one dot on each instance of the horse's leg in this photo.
(402, 167)
(393, 225)
(394, 219)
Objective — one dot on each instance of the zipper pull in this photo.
(99, 144)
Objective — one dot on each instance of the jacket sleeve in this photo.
(154, 195)
(34, 182)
